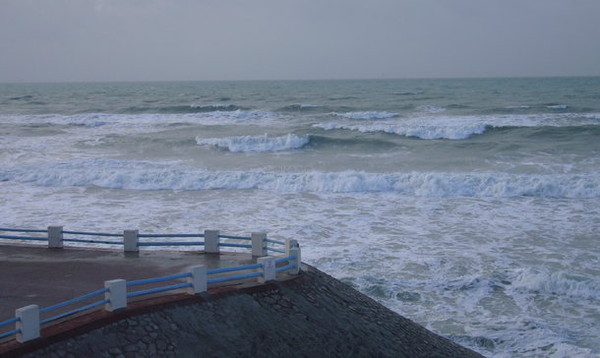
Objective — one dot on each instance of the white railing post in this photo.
(55, 237)
(198, 280)
(130, 240)
(259, 244)
(28, 323)
(290, 244)
(116, 294)
(295, 251)
(211, 241)
(269, 272)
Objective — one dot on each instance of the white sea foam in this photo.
(559, 283)
(367, 115)
(151, 176)
(462, 127)
(449, 130)
(263, 143)
(215, 107)
(431, 109)
(144, 120)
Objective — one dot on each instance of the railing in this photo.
(28, 320)
(56, 237)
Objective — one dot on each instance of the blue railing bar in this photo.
(275, 241)
(233, 278)
(80, 309)
(235, 237)
(10, 333)
(232, 269)
(174, 243)
(91, 233)
(276, 250)
(285, 268)
(284, 259)
(158, 279)
(158, 289)
(170, 235)
(95, 241)
(235, 245)
(74, 300)
(22, 230)
(23, 237)
(10, 321)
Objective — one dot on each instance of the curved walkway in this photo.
(42, 276)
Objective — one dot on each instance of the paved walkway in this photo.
(42, 276)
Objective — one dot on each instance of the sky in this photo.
(164, 40)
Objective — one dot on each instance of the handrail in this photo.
(158, 279)
(158, 289)
(172, 243)
(171, 235)
(22, 237)
(10, 333)
(139, 235)
(21, 230)
(236, 237)
(94, 241)
(90, 233)
(232, 269)
(73, 300)
(226, 244)
(275, 241)
(77, 310)
(234, 278)
(291, 262)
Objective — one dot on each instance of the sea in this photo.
(470, 206)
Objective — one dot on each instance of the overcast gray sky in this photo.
(130, 40)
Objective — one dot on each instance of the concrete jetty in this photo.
(310, 315)
(306, 315)
(42, 276)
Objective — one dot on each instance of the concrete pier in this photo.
(313, 315)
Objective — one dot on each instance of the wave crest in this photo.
(263, 143)
(462, 127)
(366, 115)
(169, 176)
(423, 131)
(556, 283)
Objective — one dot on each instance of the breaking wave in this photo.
(168, 176)
(462, 127)
(423, 131)
(263, 143)
(299, 107)
(366, 115)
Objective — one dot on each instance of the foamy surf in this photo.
(263, 143)
(462, 127)
(118, 174)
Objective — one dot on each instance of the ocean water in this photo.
(469, 206)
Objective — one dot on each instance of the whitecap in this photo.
(263, 143)
(431, 109)
(422, 130)
(367, 115)
(153, 176)
(558, 106)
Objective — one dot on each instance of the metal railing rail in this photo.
(197, 280)
(56, 238)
